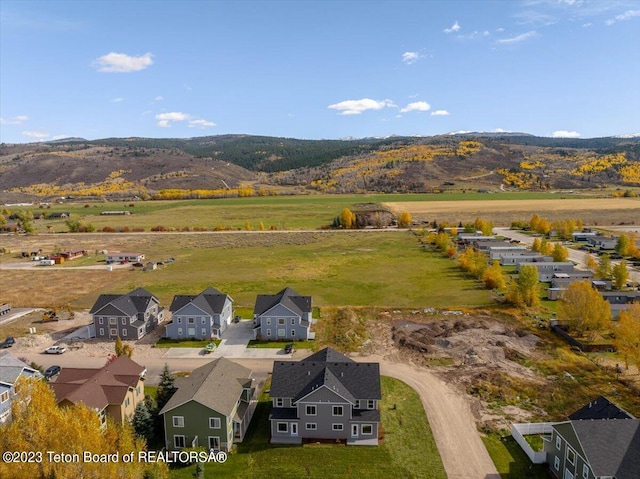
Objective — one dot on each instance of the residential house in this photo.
(211, 408)
(546, 270)
(203, 316)
(514, 257)
(620, 300)
(326, 396)
(583, 235)
(603, 242)
(11, 368)
(595, 449)
(128, 257)
(5, 308)
(283, 316)
(113, 391)
(128, 316)
(600, 408)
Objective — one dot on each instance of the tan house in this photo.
(114, 390)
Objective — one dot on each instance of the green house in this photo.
(211, 408)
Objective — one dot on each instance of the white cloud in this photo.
(158, 98)
(501, 130)
(459, 132)
(520, 38)
(356, 107)
(454, 28)
(410, 57)
(122, 63)
(117, 100)
(164, 119)
(35, 134)
(565, 134)
(623, 16)
(202, 124)
(440, 113)
(500, 30)
(416, 106)
(586, 25)
(60, 137)
(16, 120)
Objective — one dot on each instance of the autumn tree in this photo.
(39, 425)
(560, 253)
(493, 277)
(24, 219)
(122, 349)
(486, 227)
(584, 308)
(525, 289)
(347, 218)
(546, 247)
(627, 335)
(473, 261)
(620, 274)
(604, 271)
(404, 219)
(622, 244)
(591, 263)
(537, 244)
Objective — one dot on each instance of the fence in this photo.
(518, 431)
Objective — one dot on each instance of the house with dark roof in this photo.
(620, 300)
(128, 316)
(211, 408)
(326, 396)
(11, 368)
(113, 390)
(202, 316)
(283, 316)
(600, 408)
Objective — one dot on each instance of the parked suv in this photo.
(51, 371)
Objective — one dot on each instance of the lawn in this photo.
(510, 459)
(280, 344)
(177, 343)
(408, 451)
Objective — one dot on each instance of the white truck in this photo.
(47, 262)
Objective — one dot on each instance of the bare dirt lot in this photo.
(593, 211)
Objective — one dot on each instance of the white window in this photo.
(179, 331)
(293, 332)
(191, 320)
(100, 320)
(124, 332)
(126, 402)
(367, 429)
(137, 390)
(113, 320)
(281, 321)
(124, 321)
(214, 423)
(571, 456)
(311, 411)
(585, 471)
(568, 474)
(204, 332)
(113, 332)
(283, 427)
(179, 320)
(311, 426)
(558, 442)
(4, 397)
(337, 410)
(357, 404)
(178, 421)
(337, 427)
(281, 333)
(293, 321)
(556, 463)
(214, 443)
(101, 331)
(268, 321)
(279, 402)
(371, 404)
(178, 441)
(268, 332)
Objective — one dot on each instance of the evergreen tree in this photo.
(166, 388)
(143, 422)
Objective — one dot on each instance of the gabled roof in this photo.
(600, 408)
(217, 385)
(132, 303)
(349, 379)
(611, 447)
(11, 368)
(211, 301)
(287, 297)
(97, 388)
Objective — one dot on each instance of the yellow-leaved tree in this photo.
(584, 308)
(39, 425)
(493, 277)
(627, 333)
(404, 219)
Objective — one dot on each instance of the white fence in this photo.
(518, 431)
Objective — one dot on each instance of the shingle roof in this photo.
(97, 388)
(600, 408)
(11, 368)
(131, 303)
(217, 385)
(287, 297)
(211, 301)
(612, 447)
(350, 379)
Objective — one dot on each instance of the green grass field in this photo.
(511, 461)
(282, 212)
(408, 451)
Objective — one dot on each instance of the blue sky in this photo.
(329, 69)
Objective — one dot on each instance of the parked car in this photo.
(10, 340)
(5, 345)
(236, 319)
(55, 350)
(51, 371)
(209, 348)
(288, 349)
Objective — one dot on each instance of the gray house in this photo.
(128, 316)
(326, 396)
(595, 449)
(283, 316)
(204, 316)
(11, 368)
(546, 270)
(211, 408)
(620, 300)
